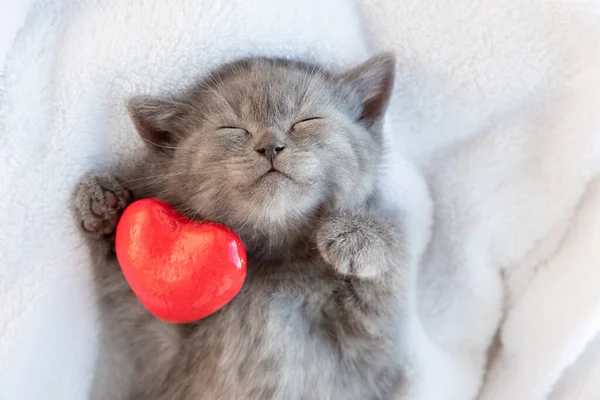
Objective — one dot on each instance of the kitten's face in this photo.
(264, 144)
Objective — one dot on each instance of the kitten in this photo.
(286, 154)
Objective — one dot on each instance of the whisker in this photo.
(157, 144)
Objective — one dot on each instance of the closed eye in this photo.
(306, 120)
(232, 130)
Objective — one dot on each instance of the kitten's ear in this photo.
(373, 80)
(156, 120)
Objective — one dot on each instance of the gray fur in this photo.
(320, 314)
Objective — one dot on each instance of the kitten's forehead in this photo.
(267, 90)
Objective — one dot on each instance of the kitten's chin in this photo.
(280, 208)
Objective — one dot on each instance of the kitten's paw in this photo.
(357, 244)
(99, 201)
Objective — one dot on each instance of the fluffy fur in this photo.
(286, 154)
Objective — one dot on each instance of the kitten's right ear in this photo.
(373, 81)
(158, 121)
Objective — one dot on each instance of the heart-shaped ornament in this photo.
(181, 270)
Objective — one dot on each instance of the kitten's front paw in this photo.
(99, 201)
(357, 244)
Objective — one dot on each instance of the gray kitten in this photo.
(286, 154)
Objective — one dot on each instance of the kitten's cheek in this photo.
(310, 169)
(243, 174)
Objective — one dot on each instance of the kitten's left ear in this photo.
(373, 80)
(158, 121)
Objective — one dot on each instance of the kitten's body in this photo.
(320, 313)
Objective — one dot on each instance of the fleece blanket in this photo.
(493, 138)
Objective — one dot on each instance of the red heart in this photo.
(181, 270)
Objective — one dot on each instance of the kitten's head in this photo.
(265, 143)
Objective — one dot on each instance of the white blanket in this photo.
(496, 105)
